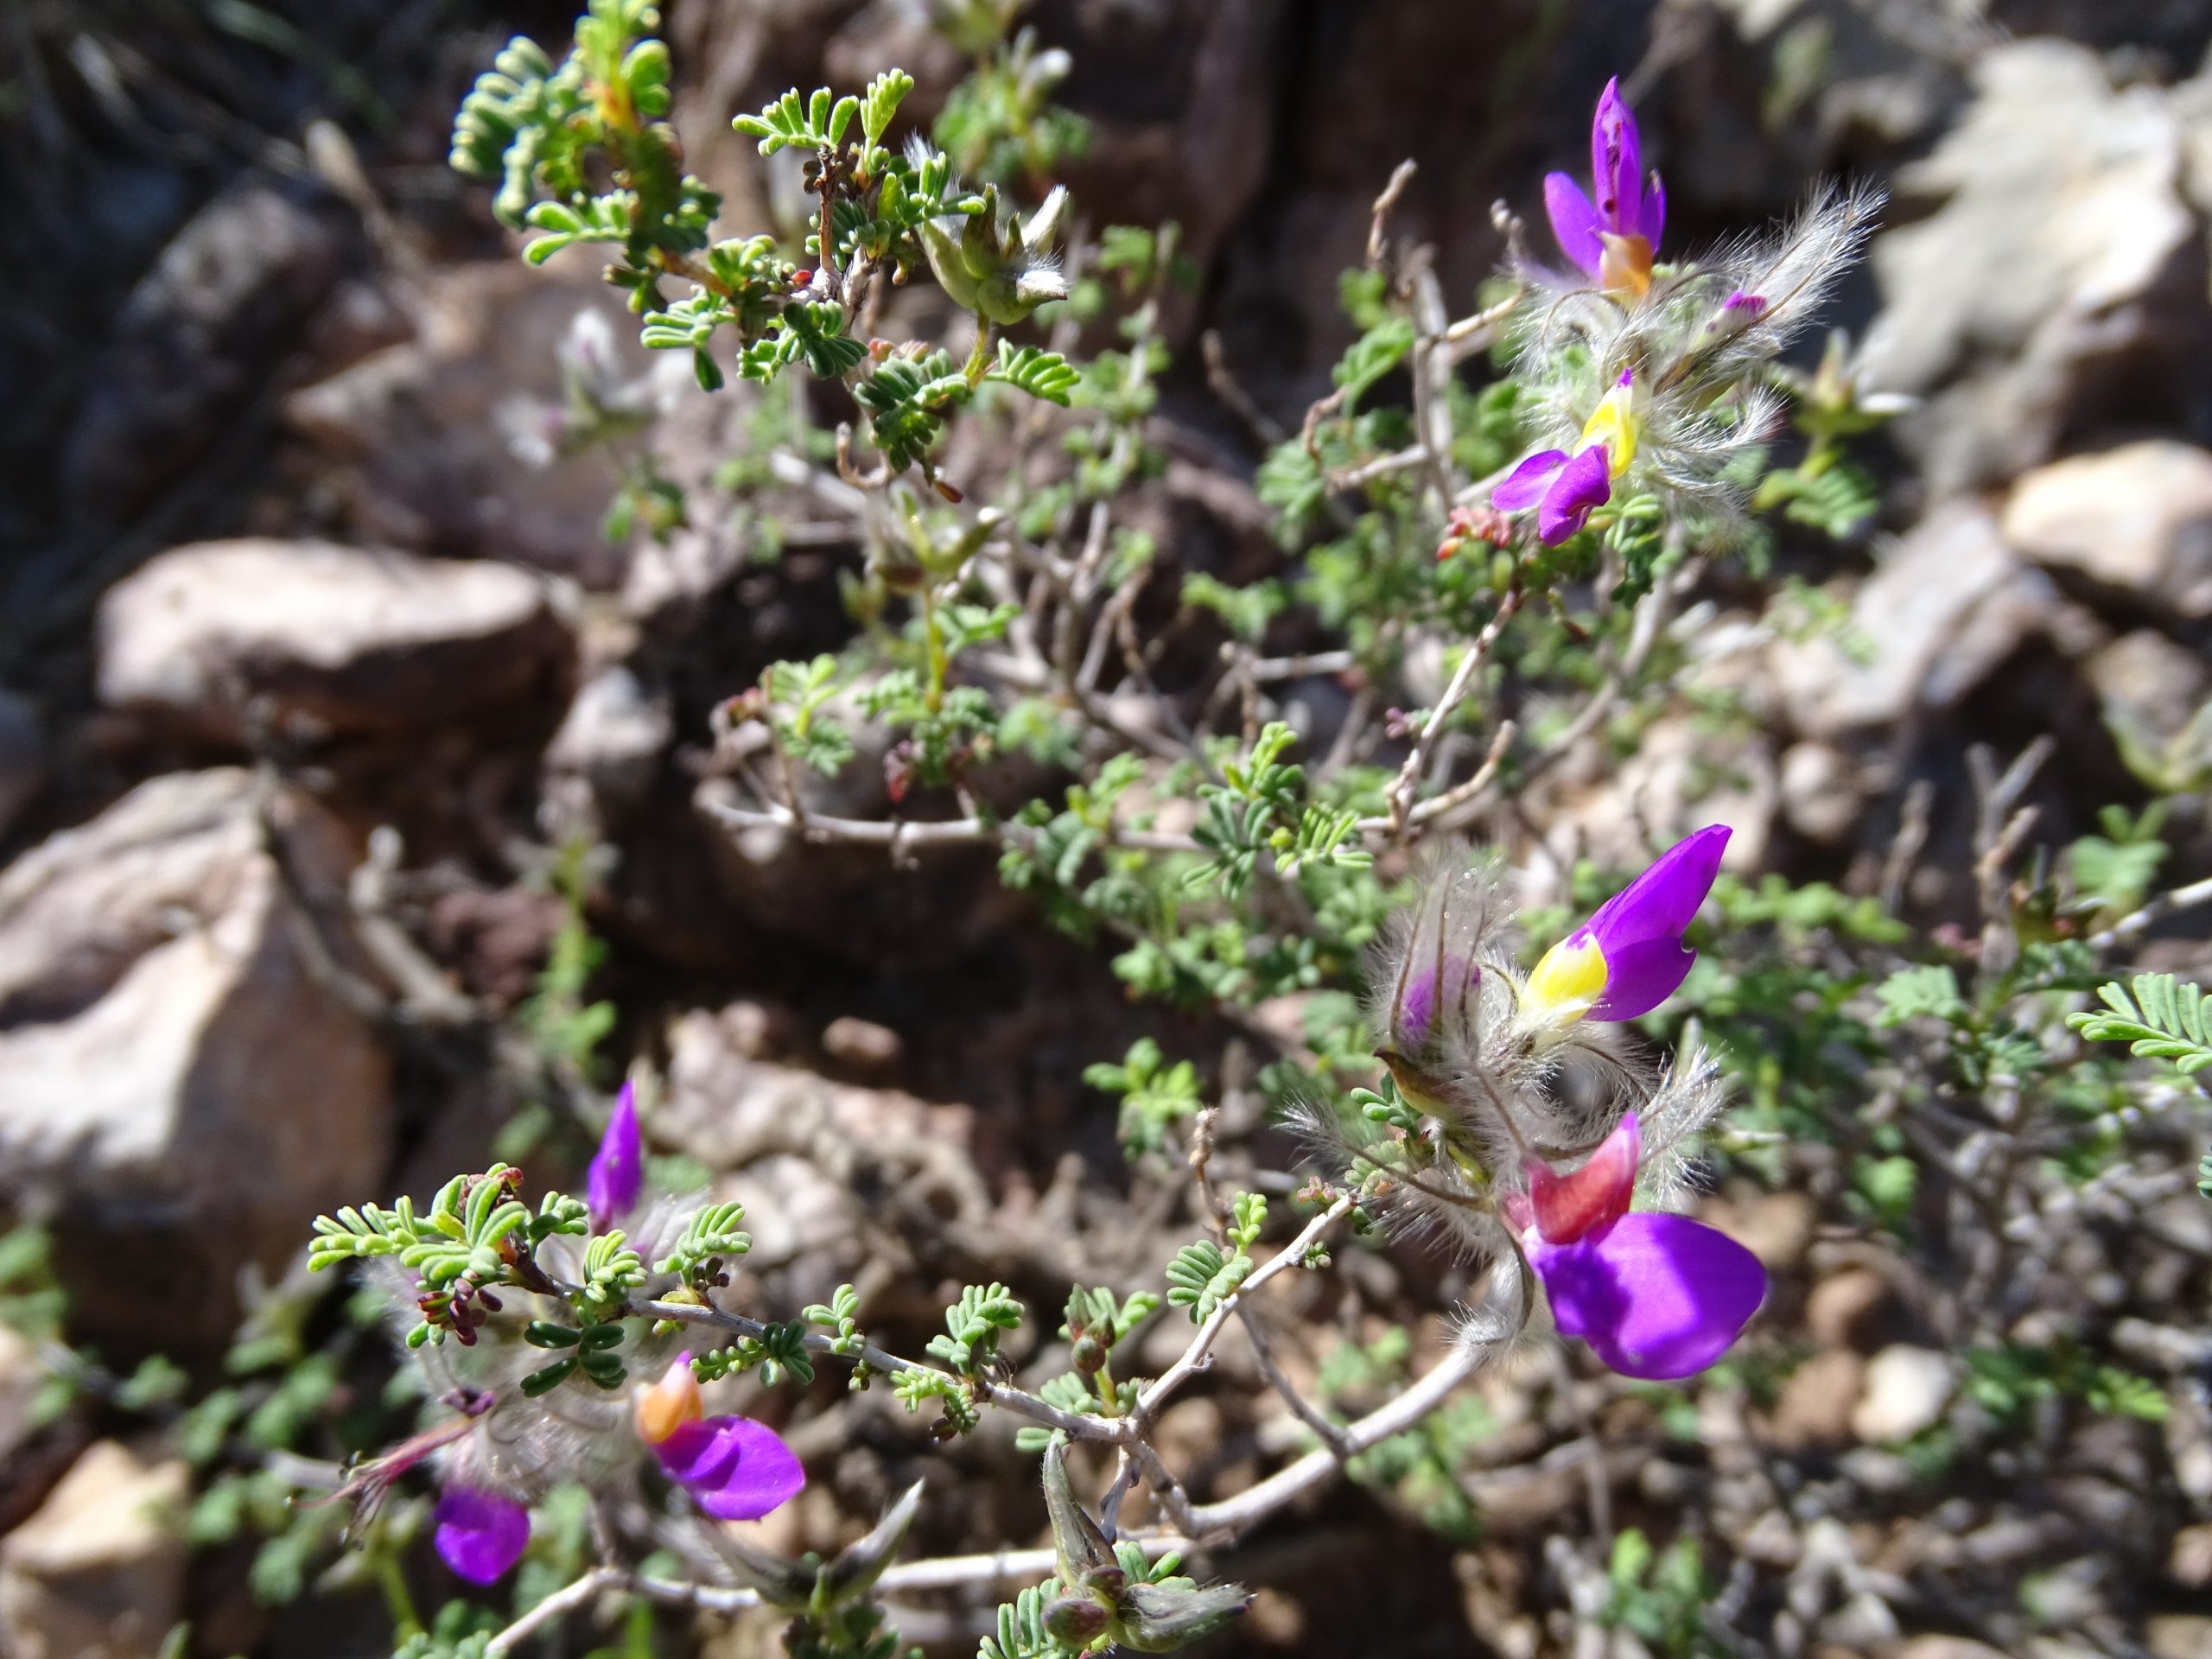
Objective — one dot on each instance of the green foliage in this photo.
(1202, 1277)
(1245, 612)
(2011, 1382)
(1930, 992)
(710, 1235)
(1042, 374)
(973, 1326)
(1258, 809)
(780, 1351)
(32, 1301)
(815, 124)
(2113, 873)
(1660, 1600)
(796, 693)
(842, 1315)
(2164, 1020)
(1154, 1095)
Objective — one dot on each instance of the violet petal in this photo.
(1656, 1296)
(617, 1168)
(479, 1534)
(1617, 161)
(1525, 485)
(1660, 903)
(1575, 222)
(1654, 211)
(1641, 976)
(735, 1468)
(1420, 1005)
(1584, 483)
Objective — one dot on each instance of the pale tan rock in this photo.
(861, 1043)
(2178, 1635)
(1848, 1308)
(98, 1571)
(2137, 518)
(1904, 1392)
(1817, 1401)
(2061, 243)
(312, 638)
(1946, 1647)
(179, 1081)
(2190, 1561)
(1950, 602)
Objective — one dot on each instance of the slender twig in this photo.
(560, 1602)
(2187, 897)
(1400, 793)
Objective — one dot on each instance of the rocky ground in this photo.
(307, 674)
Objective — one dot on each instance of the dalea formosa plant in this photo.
(570, 1343)
(1490, 536)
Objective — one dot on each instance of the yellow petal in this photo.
(1566, 982)
(1613, 424)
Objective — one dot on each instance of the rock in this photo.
(23, 759)
(182, 1087)
(1863, 1624)
(1681, 777)
(1776, 1227)
(2057, 270)
(2157, 702)
(227, 300)
(1821, 798)
(1946, 1647)
(2178, 1635)
(1852, 1308)
(2190, 1562)
(612, 741)
(1816, 1403)
(98, 1570)
(862, 1044)
(315, 639)
(442, 443)
(1949, 605)
(1905, 1392)
(2136, 521)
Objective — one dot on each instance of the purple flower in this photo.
(1611, 239)
(735, 1469)
(617, 1168)
(1433, 990)
(1629, 957)
(1563, 489)
(1656, 1296)
(479, 1534)
(1564, 485)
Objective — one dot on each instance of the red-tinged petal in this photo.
(1656, 1296)
(1525, 485)
(1568, 1207)
(479, 1534)
(1575, 222)
(1584, 483)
